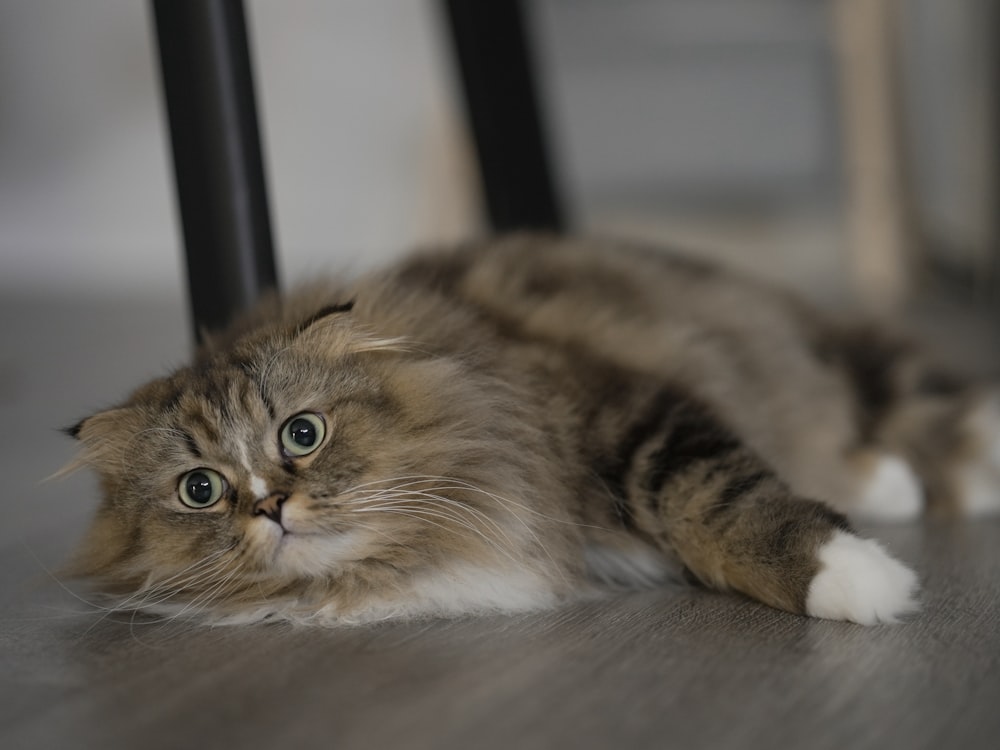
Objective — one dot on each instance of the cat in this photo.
(515, 423)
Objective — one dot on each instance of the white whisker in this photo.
(423, 513)
(203, 600)
(399, 489)
(458, 506)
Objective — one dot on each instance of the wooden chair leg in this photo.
(881, 232)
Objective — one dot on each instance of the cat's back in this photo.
(645, 309)
(751, 351)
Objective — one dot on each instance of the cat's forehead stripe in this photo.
(250, 371)
(202, 424)
(191, 444)
(221, 400)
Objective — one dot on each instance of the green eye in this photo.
(302, 434)
(201, 488)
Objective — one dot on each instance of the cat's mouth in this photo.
(277, 534)
(297, 530)
(314, 552)
(292, 521)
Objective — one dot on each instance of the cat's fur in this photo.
(513, 424)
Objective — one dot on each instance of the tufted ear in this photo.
(322, 314)
(321, 329)
(102, 436)
(98, 426)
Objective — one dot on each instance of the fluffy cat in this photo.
(505, 426)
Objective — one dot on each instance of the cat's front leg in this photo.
(736, 526)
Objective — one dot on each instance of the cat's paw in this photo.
(860, 582)
(892, 492)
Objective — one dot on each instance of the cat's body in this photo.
(503, 427)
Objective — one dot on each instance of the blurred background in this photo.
(724, 126)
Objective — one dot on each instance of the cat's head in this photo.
(292, 456)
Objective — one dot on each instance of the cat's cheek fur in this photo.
(315, 555)
(860, 582)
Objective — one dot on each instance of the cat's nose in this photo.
(270, 506)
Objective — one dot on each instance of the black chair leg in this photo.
(208, 89)
(494, 56)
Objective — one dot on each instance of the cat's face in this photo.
(271, 465)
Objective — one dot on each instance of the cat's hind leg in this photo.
(699, 491)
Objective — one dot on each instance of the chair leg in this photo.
(493, 52)
(208, 91)
(883, 237)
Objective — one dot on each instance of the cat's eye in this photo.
(302, 434)
(201, 488)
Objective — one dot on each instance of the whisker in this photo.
(150, 595)
(423, 514)
(458, 506)
(164, 593)
(416, 479)
(152, 586)
(201, 602)
(466, 507)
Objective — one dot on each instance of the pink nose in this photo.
(270, 506)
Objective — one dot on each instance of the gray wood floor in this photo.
(661, 669)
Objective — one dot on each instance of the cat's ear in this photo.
(316, 330)
(97, 426)
(322, 315)
(74, 431)
(103, 437)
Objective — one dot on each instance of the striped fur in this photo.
(509, 425)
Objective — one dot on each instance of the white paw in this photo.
(892, 492)
(860, 582)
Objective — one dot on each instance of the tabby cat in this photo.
(507, 426)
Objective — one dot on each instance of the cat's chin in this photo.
(303, 553)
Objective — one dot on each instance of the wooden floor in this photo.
(672, 668)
